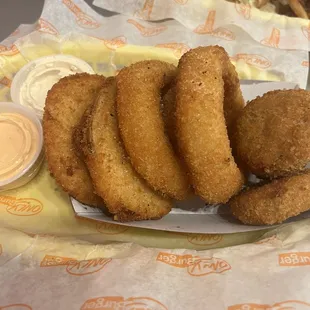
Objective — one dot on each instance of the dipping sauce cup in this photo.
(21, 144)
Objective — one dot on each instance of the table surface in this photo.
(16, 12)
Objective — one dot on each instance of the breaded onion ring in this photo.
(272, 133)
(273, 203)
(168, 112)
(142, 127)
(207, 87)
(65, 104)
(126, 194)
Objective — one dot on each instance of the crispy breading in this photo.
(168, 112)
(142, 126)
(65, 104)
(274, 202)
(205, 76)
(272, 133)
(125, 193)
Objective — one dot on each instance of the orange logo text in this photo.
(294, 259)
(111, 229)
(179, 261)
(195, 265)
(178, 48)
(146, 11)
(258, 61)
(208, 28)
(73, 266)
(204, 239)
(274, 39)
(82, 18)
(120, 303)
(21, 206)
(16, 307)
(243, 9)
(6, 81)
(267, 240)
(288, 305)
(115, 43)
(47, 27)
(147, 31)
(8, 51)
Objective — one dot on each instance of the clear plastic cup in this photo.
(38, 76)
(33, 167)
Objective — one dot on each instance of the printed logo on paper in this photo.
(6, 81)
(8, 51)
(294, 259)
(47, 27)
(82, 19)
(114, 43)
(16, 307)
(196, 266)
(146, 11)
(208, 28)
(269, 240)
(121, 303)
(285, 305)
(178, 48)
(147, 31)
(21, 206)
(273, 40)
(111, 229)
(305, 63)
(75, 267)
(204, 239)
(243, 9)
(258, 61)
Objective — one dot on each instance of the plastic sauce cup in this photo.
(32, 167)
(32, 82)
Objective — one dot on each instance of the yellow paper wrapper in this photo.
(108, 44)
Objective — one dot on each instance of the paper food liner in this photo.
(221, 19)
(108, 44)
(50, 273)
(196, 23)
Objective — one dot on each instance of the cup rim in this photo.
(23, 72)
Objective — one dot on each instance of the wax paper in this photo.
(44, 272)
(51, 260)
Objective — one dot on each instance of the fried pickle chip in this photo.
(272, 133)
(274, 202)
